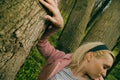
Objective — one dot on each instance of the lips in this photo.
(101, 78)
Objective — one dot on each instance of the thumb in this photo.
(49, 18)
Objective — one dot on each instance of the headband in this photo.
(99, 47)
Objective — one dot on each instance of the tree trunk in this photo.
(21, 24)
(66, 7)
(106, 28)
(75, 26)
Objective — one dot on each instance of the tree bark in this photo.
(76, 25)
(106, 28)
(66, 7)
(21, 23)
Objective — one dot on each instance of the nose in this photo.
(104, 73)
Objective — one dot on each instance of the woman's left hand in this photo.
(56, 18)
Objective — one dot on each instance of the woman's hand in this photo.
(56, 18)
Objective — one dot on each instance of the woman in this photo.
(89, 62)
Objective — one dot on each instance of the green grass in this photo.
(32, 66)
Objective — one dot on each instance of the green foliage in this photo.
(114, 74)
(32, 66)
(53, 39)
(110, 77)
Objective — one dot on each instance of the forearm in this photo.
(43, 47)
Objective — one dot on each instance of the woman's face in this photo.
(97, 67)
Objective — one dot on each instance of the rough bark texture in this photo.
(75, 27)
(107, 28)
(21, 23)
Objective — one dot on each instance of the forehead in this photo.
(108, 59)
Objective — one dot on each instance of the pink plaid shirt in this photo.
(56, 60)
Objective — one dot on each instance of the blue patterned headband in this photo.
(97, 48)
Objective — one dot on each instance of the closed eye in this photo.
(106, 67)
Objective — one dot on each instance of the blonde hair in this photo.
(78, 55)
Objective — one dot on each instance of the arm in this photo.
(56, 23)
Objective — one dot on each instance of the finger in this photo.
(56, 2)
(51, 19)
(52, 2)
(48, 6)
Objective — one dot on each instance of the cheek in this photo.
(96, 69)
(98, 66)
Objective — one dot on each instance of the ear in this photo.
(89, 56)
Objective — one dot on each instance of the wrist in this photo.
(44, 37)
